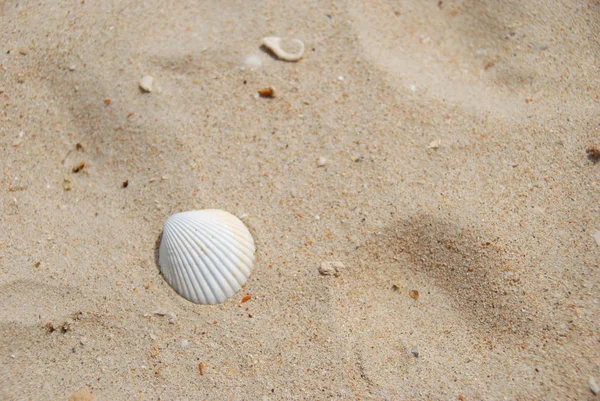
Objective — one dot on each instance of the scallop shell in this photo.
(206, 255)
(273, 43)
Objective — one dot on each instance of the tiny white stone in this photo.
(72, 67)
(597, 237)
(184, 343)
(321, 162)
(146, 83)
(341, 78)
(413, 88)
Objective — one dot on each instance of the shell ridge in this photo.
(225, 280)
(240, 240)
(218, 284)
(198, 279)
(201, 241)
(229, 247)
(234, 223)
(188, 288)
(203, 274)
(240, 247)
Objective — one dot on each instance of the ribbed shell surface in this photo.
(206, 255)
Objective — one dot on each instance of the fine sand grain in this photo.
(435, 149)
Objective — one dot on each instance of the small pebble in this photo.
(268, 92)
(331, 268)
(321, 162)
(146, 83)
(593, 153)
(78, 167)
(19, 140)
(415, 351)
(184, 343)
(172, 318)
(594, 388)
(434, 144)
(72, 67)
(341, 78)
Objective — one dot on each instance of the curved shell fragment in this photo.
(206, 255)
(276, 45)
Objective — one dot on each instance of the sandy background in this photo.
(494, 227)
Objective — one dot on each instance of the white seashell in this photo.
(274, 43)
(146, 83)
(206, 255)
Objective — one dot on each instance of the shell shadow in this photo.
(464, 264)
(266, 50)
(157, 250)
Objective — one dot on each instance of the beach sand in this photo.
(456, 191)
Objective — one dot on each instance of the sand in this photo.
(436, 147)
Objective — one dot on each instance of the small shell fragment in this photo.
(146, 83)
(206, 255)
(276, 45)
